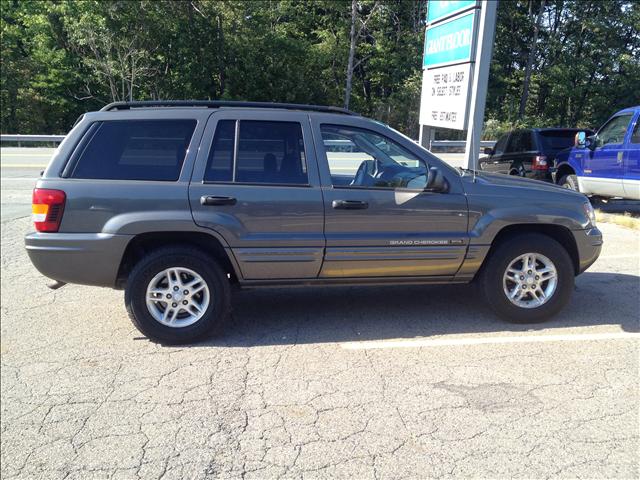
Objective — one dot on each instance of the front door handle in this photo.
(349, 204)
(209, 200)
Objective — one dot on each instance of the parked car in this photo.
(175, 202)
(606, 164)
(529, 152)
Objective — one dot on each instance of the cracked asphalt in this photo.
(376, 382)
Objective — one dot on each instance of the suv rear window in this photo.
(135, 150)
(557, 140)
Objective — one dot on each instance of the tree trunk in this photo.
(527, 71)
(221, 62)
(352, 52)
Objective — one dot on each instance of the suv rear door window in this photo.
(135, 150)
(501, 144)
(267, 152)
(220, 164)
(516, 142)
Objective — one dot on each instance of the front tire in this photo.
(527, 278)
(177, 295)
(570, 182)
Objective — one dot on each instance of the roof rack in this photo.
(222, 103)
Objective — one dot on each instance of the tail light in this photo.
(540, 163)
(47, 208)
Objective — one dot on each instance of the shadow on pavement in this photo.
(631, 207)
(346, 314)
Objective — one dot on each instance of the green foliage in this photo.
(586, 65)
(60, 59)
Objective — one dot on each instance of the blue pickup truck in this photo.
(606, 164)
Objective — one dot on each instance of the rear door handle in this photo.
(349, 204)
(209, 200)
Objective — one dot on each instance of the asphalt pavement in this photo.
(375, 382)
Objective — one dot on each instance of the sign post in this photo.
(486, 30)
(457, 54)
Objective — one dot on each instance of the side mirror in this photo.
(489, 151)
(436, 181)
(580, 140)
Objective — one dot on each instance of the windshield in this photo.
(555, 141)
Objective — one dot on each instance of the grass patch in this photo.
(624, 219)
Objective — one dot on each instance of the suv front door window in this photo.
(361, 158)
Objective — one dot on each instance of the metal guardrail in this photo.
(460, 143)
(20, 139)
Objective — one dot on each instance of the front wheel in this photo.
(570, 182)
(527, 278)
(177, 295)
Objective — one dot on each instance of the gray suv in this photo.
(176, 202)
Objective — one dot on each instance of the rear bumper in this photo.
(84, 258)
(589, 243)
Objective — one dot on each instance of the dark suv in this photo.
(177, 201)
(529, 153)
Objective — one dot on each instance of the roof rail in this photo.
(222, 103)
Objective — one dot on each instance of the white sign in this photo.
(444, 101)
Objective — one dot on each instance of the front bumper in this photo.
(84, 258)
(589, 243)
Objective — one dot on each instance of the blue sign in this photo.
(449, 42)
(438, 9)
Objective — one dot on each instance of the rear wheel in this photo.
(177, 295)
(527, 278)
(570, 182)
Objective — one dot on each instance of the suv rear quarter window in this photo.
(135, 150)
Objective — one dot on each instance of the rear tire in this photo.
(570, 182)
(548, 256)
(210, 298)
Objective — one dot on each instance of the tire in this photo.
(492, 280)
(212, 302)
(570, 182)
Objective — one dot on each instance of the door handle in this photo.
(349, 204)
(209, 200)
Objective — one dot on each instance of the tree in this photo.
(556, 62)
(531, 56)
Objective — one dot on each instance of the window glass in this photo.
(362, 158)
(501, 145)
(526, 143)
(520, 142)
(635, 138)
(556, 140)
(220, 163)
(271, 152)
(614, 131)
(136, 150)
(268, 152)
